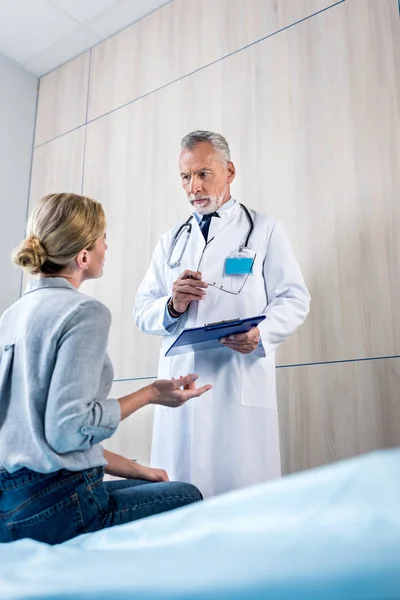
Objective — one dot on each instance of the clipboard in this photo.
(206, 338)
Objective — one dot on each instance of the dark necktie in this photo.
(205, 224)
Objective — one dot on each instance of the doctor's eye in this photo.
(185, 178)
(204, 173)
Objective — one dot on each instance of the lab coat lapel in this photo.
(218, 225)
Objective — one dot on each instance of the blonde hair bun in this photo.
(31, 254)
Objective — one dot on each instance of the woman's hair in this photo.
(60, 227)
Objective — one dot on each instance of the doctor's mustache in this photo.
(193, 197)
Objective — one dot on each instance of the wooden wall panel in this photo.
(326, 413)
(63, 99)
(181, 37)
(313, 149)
(57, 166)
(335, 411)
(313, 119)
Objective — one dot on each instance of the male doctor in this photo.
(228, 438)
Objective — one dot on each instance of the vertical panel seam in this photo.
(30, 174)
(106, 38)
(86, 116)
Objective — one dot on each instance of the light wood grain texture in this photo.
(326, 413)
(332, 412)
(142, 197)
(62, 99)
(179, 38)
(133, 437)
(57, 166)
(312, 117)
(316, 142)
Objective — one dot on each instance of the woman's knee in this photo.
(185, 490)
(194, 491)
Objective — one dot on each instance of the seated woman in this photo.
(55, 376)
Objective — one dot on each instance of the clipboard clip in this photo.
(219, 323)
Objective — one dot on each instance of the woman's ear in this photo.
(82, 260)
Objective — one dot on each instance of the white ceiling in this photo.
(41, 35)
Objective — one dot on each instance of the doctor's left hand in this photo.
(245, 343)
(169, 392)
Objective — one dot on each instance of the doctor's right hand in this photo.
(169, 392)
(187, 287)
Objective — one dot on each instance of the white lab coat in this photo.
(229, 437)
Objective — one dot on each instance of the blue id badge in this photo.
(239, 265)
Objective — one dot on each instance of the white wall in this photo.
(18, 97)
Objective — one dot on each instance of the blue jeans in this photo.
(56, 507)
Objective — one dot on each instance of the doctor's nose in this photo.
(195, 186)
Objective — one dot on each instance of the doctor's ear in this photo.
(231, 171)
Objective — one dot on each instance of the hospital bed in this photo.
(329, 533)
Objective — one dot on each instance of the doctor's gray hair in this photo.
(216, 139)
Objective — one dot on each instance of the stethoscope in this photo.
(187, 226)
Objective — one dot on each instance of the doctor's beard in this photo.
(214, 203)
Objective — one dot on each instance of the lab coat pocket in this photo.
(234, 274)
(164, 372)
(258, 388)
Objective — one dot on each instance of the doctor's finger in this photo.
(196, 283)
(248, 335)
(242, 349)
(235, 340)
(190, 275)
(237, 345)
(189, 289)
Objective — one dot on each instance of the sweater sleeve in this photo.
(76, 418)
